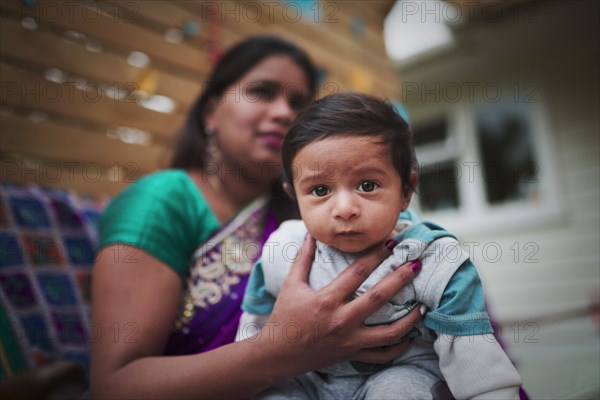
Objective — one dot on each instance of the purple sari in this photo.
(212, 297)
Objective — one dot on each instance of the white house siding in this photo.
(544, 307)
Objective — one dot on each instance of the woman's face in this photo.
(252, 117)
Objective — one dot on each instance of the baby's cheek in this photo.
(319, 232)
(311, 220)
(384, 228)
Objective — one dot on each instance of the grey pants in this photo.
(404, 382)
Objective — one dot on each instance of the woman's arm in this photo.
(135, 303)
(135, 300)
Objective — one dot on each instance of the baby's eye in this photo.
(320, 191)
(367, 186)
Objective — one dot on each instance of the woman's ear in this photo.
(407, 196)
(287, 188)
(209, 114)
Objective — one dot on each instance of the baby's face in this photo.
(348, 191)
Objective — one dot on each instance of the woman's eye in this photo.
(320, 191)
(367, 186)
(262, 93)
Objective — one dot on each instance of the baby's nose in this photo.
(346, 207)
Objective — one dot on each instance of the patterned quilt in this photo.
(47, 248)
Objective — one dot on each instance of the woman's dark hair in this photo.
(190, 151)
(353, 114)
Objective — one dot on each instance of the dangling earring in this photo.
(212, 150)
(213, 156)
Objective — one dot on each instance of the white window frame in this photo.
(474, 214)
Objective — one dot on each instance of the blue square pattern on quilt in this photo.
(18, 289)
(36, 331)
(29, 212)
(11, 253)
(58, 289)
(80, 250)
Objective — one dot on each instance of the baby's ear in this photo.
(406, 196)
(287, 188)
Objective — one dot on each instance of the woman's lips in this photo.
(272, 139)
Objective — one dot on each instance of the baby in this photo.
(349, 162)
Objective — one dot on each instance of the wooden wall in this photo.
(54, 132)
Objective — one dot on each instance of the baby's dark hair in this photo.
(352, 114)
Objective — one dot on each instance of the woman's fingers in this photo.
(370, 301)
(303, 261)
(350, 278)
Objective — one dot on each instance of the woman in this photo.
(217, 206)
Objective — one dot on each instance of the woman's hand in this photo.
(311, 329)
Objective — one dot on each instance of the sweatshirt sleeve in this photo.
(257, 300)
(476, 367)
(461, 310)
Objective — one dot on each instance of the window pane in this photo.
(505, 145)
(437, 188)
(430, 132)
